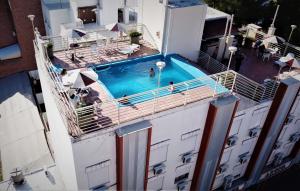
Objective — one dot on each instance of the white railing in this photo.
(62, 100)
(61, 43)
(243, 86)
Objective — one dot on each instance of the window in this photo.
(181, 178)
(98, 174)
(86, 14)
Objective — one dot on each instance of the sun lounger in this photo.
(130, 49)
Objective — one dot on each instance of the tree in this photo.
(262, 12)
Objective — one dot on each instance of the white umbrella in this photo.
(80, 79)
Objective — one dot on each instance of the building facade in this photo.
(16, 49)
(204, 141)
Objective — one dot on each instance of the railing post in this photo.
(154, 101)
(263, 94)
(118, 111)
(216, 84)
(233, 83)
(185, 95)
(254, 92)
(208, 61)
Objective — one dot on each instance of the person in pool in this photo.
(151, 73)
(172, 87)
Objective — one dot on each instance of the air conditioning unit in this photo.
(158, 169)
(277, 159)
(289, 119)
(294, 137)
(227, 182)
(243, 158)
(223, 168)
(277, 145)
(231, 141)
(187, 158)
(253, 132)
(181, 185)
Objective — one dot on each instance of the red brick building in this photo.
(15, 27)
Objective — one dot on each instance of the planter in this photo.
(135, 37)
(135, 40)
(50, 51)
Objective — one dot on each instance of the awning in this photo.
(10, 52)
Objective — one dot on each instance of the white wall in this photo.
(56, 18)
(153, 17)
(91, 152)
(176, 133)
(179, 131)
(243, 121)
(184, 30)
(287, 131)
(109, 13)
(60, 139)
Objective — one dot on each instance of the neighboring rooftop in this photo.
(184, 3)
(37, 180)
(214, 14)
(22, 139)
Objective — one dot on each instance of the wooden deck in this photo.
(86, 57)
(110, 113)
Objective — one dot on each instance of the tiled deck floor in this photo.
(255, 69)
(88, 58)
(110, 115)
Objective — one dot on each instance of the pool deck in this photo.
(107, 113)
(106, 54)
(110, 114)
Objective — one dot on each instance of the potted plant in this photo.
(50, 50)
(134, 37)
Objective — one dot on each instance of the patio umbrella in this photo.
(77, 33)
(81, 79)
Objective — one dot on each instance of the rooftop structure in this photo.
(18, 107)
(214, 14)
(37, 180)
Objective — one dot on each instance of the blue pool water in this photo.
(132, 76)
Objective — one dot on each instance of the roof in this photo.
(214, 14)
(184, 3)
(37, 180)
(22, 140)
(10, 52)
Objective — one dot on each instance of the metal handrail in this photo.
(241, 84)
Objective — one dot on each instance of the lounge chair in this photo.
(130, 49)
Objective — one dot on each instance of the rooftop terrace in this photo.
(101, 111)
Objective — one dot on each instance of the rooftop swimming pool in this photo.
(132, 76)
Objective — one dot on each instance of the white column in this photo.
(229, 43)
(221, 49)
(126, 15)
